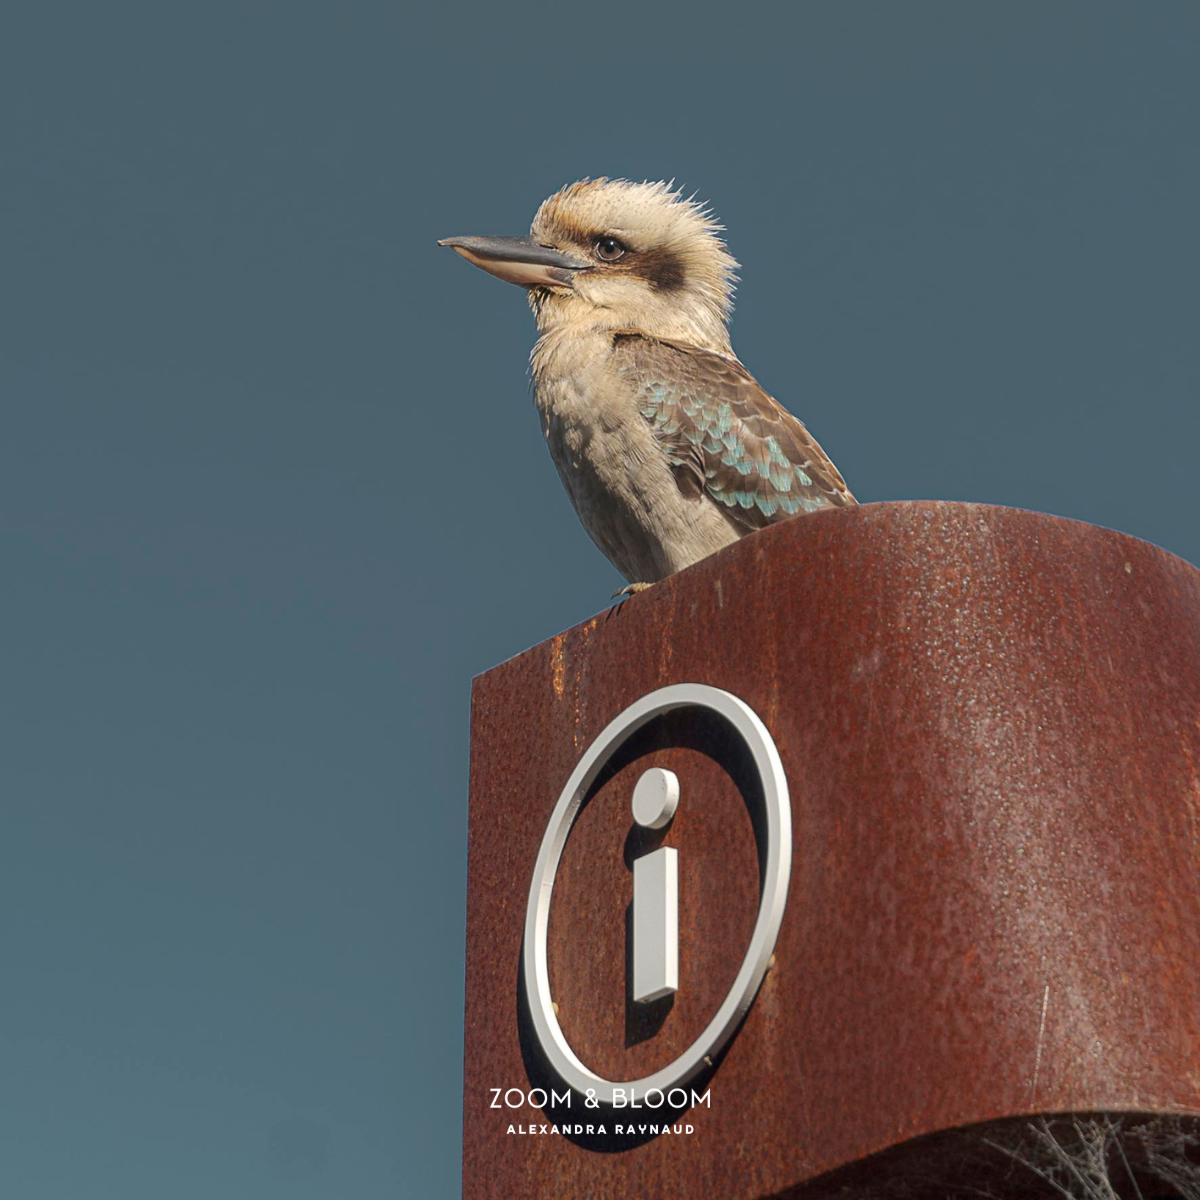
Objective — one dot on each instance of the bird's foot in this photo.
(630, 589)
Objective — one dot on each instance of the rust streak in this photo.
(1037, 1058)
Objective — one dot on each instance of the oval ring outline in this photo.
(773, 901)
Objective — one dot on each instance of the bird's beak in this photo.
(521, 260)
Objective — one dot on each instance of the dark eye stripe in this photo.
(663, 269)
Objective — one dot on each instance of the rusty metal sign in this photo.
(988, 727)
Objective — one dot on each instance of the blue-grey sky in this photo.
(272, 489)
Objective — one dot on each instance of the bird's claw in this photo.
(630, 589)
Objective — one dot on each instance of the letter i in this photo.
(655, 892)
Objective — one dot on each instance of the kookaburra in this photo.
(665, 443)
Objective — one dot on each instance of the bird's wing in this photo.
(724, 436)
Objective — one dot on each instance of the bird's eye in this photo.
(608, 249)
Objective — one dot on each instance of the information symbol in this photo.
(655, 892)
(659, 795)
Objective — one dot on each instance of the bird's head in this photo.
(619, 255)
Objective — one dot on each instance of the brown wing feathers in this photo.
(724, 436)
